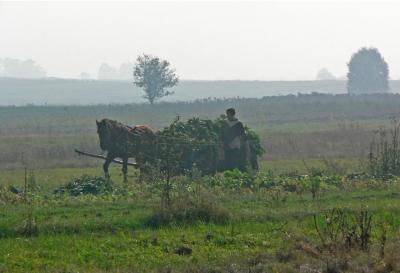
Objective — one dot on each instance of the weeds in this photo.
(340, 229)
(10, 195)
(188, 204)
(29, 226)
(384, 155)
(276, 196)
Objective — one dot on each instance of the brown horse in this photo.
(123, 141)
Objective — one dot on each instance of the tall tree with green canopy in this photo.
(368, 72)
(154, 76)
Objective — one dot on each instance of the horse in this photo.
(125, 142)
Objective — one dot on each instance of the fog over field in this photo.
(70, 92)
(207, 136)
(202, 40)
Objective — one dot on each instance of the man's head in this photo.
(230, 113)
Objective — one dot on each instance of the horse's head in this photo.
(103, 131)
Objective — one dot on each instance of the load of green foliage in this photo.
(197, 143)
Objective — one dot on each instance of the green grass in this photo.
(109, 233)
(284, 166)
(50, 178)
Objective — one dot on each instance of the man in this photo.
(234, 138)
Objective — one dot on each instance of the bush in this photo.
(340, 228)
(232, 180)
(86, 184)
(10, 195)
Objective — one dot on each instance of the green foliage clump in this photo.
(10, 195)
(198, 143)
(86, 184)
(233, 180)
(183, 145)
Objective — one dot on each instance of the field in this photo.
(265, 232)
(280, 220)
(55, 91)
(291, 127)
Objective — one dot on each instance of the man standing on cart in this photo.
(235, 142)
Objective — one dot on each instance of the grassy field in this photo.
(264, 233)
(280, 220)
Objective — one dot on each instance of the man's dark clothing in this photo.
(234, 137)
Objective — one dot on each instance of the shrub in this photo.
(236, 179)
(266, 180)
(86, 184)
(10, 195)
(231, 179)
(29, 226)
(339, 228)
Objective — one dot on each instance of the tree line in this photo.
(368, 73)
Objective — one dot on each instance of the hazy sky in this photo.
(202, 40)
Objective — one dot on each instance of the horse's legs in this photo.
(109, 159)
(125, 168)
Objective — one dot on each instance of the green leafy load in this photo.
(197, 143)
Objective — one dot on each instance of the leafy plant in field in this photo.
(32, 185)
(266, 180)
(10, 195)
(276, 195)
(86, 184)
(231, 180)
(314, 185)
(29, 226)
(236, 179)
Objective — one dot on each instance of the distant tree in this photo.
(368, 72)
(15, 68)
(125, 71)
(107, 72)
(84, 76)
(324, 74)
(154, 76)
